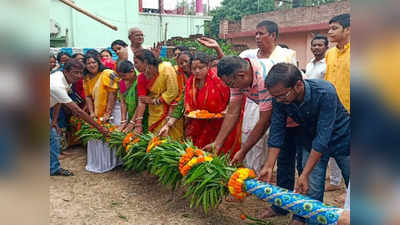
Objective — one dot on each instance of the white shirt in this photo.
(131, 55)
(316, 70)
(278, 55)
(59, 89)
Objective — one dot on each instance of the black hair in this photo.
(202, 57)
(106, 50)
(119, 42)
(283, 73)
(321, 37)
(60, 54)
(125, 66)
(76, 54)
(188, 53)
(271, 27)
(213, 57)
(283, 46)
(229, 65)
(93, 52)
(181, 48)
(87, 57)
(73, 63)
(147, 57)
(342, 19)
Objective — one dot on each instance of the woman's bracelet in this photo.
(132, 122)
(123, 121)
(156, 101)
(139, 118)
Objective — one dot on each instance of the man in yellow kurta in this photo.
(338, 57)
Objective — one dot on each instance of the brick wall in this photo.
(298, 16)
(288, 17)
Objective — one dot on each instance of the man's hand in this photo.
(265, 174)
(156, 49)
(208, 42)
(302, 184)
(58, 129)
(238, 157)
(146, 99)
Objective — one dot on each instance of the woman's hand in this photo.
(138, 130)
(146, 99)
(164, 131)
(121, 126)
(128, 127)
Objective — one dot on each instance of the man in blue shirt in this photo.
(315, 106)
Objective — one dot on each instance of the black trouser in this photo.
(287, 162)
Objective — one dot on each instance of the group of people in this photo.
(273, 113)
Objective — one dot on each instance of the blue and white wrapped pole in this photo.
(314, 210)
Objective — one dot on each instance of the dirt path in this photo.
(120, 197)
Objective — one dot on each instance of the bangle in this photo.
(156, 101)
(132, 122)
(139, 118)
(123, 121)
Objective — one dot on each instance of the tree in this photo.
(235, 10)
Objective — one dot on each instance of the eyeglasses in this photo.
(284, 96)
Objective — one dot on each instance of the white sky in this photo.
(171, 4)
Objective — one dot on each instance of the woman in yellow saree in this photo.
(100, 87)
(158, 88)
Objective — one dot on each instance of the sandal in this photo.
(63, 172)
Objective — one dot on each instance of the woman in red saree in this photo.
(205, 91)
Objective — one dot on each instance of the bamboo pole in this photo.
(72, 5)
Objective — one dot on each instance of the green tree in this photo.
(235, 10)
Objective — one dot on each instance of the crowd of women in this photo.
(143, 93)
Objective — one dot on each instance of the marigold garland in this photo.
(236, 181)
(154, 142)
(127, 139)
(194, 161)
(190, 153)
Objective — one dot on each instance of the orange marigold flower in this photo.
(243, 216)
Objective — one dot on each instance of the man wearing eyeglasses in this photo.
(315, 106)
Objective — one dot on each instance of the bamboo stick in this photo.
(72, 5)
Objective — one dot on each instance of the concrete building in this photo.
(297, 27)
(70, 28)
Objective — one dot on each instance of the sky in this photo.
(171, 4)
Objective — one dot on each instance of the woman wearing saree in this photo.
(129, 97)
(100, 87)
(205, 91)
(177, 109)
(158, 88)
